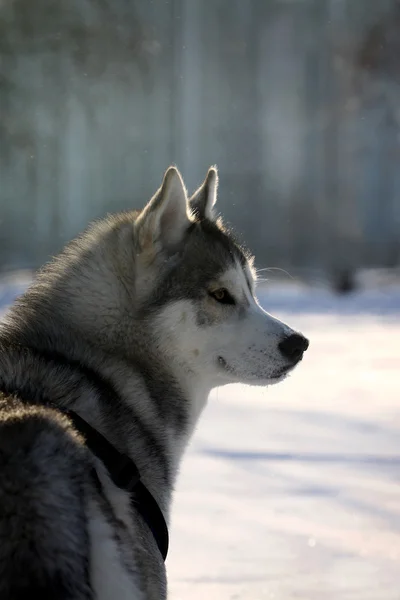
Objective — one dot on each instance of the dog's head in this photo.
(196, 289)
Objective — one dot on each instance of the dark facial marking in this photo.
(206, 253)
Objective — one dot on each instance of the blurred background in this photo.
(296, 101)
(290, 493)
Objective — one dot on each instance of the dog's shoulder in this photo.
(43, 523)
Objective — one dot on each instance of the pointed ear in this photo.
(164, 219)
(203, 200)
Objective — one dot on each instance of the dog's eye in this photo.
(223, 296)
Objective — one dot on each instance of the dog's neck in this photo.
(179, 391)
(193, 393)
(174, 436)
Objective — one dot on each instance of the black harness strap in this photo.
(126, 476)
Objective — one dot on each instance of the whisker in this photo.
(275, 269)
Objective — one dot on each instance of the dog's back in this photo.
(44, 549)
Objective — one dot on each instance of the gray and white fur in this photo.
(131, 326)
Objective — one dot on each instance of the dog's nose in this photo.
(293, 346)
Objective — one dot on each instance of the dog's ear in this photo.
(203, 200)
(164, 219)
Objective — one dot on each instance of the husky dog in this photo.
(106, 363)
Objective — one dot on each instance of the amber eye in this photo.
(223, 296)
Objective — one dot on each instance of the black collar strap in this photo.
(126, 476)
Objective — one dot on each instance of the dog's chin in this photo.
(231, 374)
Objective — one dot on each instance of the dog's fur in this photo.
(129, 328)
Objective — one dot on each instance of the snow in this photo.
(293, 492)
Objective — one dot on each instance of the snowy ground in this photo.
(294, 492)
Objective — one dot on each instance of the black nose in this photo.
(293, 346)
